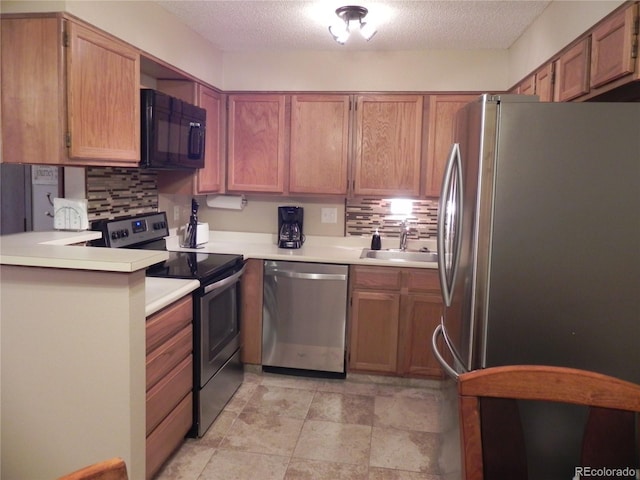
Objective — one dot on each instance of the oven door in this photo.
(219, 324)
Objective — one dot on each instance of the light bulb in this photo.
(340, 32)
(367, 30)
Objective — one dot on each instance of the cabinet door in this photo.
(442, 114)
(319, 144)
(528, 86)
(33, 120)
(612, 47)
(103, 98)
(256, 143)
(572, 72)
(420, 315)
(210, 178)
(544, 83)
(388, 145)
(373, 342)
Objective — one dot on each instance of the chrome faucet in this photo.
(404, 231)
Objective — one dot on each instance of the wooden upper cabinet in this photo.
(528, 86)
(319, 144)
(442, 121)
(256, 146)
(388, 139)
(539, 83)
(210, 179)
(103, 97)
(33, 90)
(545, 82)
(68, 98)
(612, 46)
(572, 71)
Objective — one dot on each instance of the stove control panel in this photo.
(126, 232)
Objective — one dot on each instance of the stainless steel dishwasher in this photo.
(304, 316)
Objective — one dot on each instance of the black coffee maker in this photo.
(290, 227)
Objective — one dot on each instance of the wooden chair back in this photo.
(112, 469)
(492, 438)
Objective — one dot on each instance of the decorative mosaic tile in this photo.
(114, 192)
(364, 215)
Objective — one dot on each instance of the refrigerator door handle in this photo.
(449, 220)
(449, 370)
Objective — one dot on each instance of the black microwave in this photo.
(172, 132)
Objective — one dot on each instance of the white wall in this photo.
(437, 70)
(151, 28)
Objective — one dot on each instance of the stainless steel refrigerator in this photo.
(539, 247)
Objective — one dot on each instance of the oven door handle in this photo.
(224, 282)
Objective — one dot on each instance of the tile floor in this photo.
(285, 427)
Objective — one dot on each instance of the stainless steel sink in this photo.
(400, 255)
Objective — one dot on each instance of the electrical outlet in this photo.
(329, 215)
(176, 213)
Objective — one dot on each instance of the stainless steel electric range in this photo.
(216, 303)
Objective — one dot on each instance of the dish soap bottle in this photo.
(376, 244)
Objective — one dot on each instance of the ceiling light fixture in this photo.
(352, 17)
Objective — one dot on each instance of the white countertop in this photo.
(57, 249)
(317, 249)
(161, 292)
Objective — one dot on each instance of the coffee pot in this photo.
(290, 221)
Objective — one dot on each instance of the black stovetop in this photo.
(205, 267)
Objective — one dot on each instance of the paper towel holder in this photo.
(227, 202)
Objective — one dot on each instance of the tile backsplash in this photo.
(114, 192)
(364, 215)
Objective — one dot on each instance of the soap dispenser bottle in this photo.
(376, 243)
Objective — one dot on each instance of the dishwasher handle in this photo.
(276, 272)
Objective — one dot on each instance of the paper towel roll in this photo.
(228, 202)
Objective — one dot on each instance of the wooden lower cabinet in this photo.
(374, 331)
(420, 315)
(169, 435)
(169, 405)
(393, 313)
(251, 312)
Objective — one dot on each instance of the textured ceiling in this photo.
(288, 25)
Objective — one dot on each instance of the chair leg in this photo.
(602, 449)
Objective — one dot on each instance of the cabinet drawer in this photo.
(168, 436)
(168, 355)
(376, 278)
(168, 392)
(168, 321)
(422, 280)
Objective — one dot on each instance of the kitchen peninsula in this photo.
(73, 353)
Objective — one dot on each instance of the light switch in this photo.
(329, 215)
